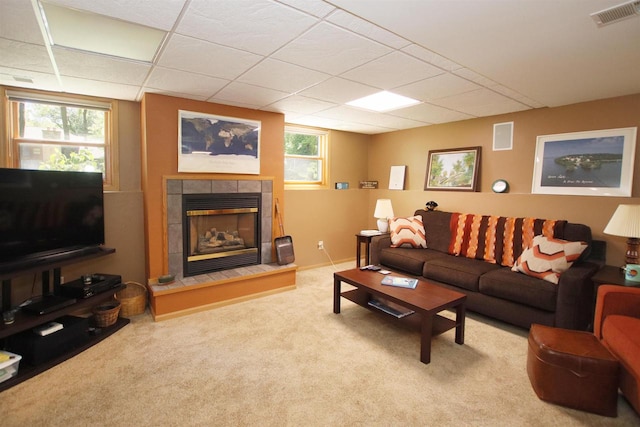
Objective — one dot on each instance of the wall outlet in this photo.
(320, 245)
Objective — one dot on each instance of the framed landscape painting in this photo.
(218, 144)
(455, 169)
(593, 163)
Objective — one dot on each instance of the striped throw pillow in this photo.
(547, 258)
(407, 232)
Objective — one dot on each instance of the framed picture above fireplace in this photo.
(218, 144)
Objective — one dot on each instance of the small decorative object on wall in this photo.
(342, 185)
(396, 178)
(455, 169)
(593, 163)
(500, 186)
(503, 136)
(369, 185)
(218, 144)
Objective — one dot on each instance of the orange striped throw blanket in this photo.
(496, 239)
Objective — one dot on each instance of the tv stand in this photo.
(24, 321)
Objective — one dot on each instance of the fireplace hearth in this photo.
(221, 231)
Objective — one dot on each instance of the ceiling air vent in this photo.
(617, 13)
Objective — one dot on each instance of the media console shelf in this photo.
(25, 321)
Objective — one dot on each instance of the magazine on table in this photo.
(401, 282)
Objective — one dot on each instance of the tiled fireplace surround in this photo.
(191, 294)
(176, 188)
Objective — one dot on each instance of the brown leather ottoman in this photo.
(572, 369)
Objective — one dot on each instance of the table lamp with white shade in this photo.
(625, 222)
(383, 212)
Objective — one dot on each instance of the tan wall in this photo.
(159, 159)
(124, 220)
(123, 215)
(333, 216)
(411, 148)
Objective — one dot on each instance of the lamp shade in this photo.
(383, 209)
(625, 221)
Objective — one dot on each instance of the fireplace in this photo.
(220, 231)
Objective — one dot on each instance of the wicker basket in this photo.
(106, 314)
(133, 299)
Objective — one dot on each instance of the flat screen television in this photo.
(46, 214)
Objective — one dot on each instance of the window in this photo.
(305, 156)
(62, 133)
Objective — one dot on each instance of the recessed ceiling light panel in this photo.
(100, 34)
(383, 101)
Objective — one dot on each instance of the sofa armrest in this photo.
(614, 299)
(575, 296)
(377, 244)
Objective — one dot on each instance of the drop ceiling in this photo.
(307, 58)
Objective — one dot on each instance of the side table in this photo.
(610, 275)
(366, 240)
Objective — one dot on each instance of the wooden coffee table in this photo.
(426, 301)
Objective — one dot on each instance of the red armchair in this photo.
(617, 325)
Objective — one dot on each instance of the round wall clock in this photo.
(500, 186)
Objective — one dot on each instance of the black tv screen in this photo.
(45, 212)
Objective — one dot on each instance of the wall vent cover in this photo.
(617, 13)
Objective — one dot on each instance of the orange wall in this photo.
(159, 145)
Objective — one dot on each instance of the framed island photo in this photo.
(592, 163)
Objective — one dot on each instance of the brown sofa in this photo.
(617, 326)
(492, 288)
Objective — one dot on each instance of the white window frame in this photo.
(11, 153)
(323, 157)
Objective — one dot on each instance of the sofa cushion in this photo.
(547, 258)
(506, 284)
(407, 259)
(621, 334)
(459, 271)
(407, 232)
(436, 228)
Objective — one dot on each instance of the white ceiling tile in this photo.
(330, 49)
(24, 56)
(18, 22)
(437, 87)
(188, 54)
(316, 8)
(516, 95)
(301, 105)
(97, 88)
(182, 82)
(471, 75)
(367, 117)
(249, 94)
(431, 57)
(393, 70)
(431, 114)
(42, 81)
(482, 102)
(338, 90)
(99, 67)
(186, 95)
(367, 29)
(282, 76)
(255, 26)
(338, 124)
(160, 14)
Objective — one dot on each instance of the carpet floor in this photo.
(286, 360)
